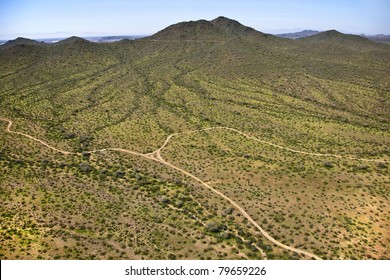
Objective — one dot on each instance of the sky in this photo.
(48, 18)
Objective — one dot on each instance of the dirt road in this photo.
(156, 156)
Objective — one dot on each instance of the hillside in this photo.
(73, 41)
(219, 29)
(379, 38)
(206, 140)
(335, 37)
(21, 42)
(192, 30)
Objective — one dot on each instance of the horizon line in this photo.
(85, 35)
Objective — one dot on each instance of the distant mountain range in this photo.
(204, 29)
(97, 39)
(378, 38)
(381, 38)
(297, 35)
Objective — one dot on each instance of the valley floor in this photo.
(157, 156)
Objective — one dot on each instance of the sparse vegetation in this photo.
(314, 95)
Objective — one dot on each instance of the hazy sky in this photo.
(103, 17)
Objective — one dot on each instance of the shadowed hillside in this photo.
(74, 40)
(192, 30)
(20, 42)
(218, 29)
(346, 40)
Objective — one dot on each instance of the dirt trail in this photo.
(238, 207)
(8, 129)
(156, 156)
(267, 143)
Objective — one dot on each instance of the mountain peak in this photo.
(335, 37)
(21, 41)
(222, 19)
(231, 26)
(189, 30)
(218, 29)
(332, 32)
(73, 40)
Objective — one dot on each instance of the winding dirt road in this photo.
(156, 156)
(267, 143)
(8, 129)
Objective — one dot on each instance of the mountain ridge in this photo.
(379, 38)
(297, 35)
(21, 41)
(188, 30)
(73, 40)
(220, 28)
(334, 37)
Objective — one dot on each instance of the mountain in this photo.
(191, 30)
(297, 35)
(21, 42)
(335, 38)
(74, 40)
(380, 38)
(233, 27)
(192, 143)
(220, 28)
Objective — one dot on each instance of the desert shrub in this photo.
(85, 167)
(327, 164)
(214, 227)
